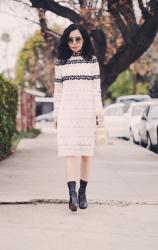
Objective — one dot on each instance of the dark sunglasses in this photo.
(77, 39)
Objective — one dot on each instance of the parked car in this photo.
(148, 129)
(44, 105)
(45, 117)
(132, 98)
(134, 114)
(115, 121)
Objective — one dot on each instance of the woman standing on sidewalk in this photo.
(77, 103)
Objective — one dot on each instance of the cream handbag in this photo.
(100, 135)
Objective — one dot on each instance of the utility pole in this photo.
(5, 37)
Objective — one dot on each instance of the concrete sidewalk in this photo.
(119, 171)
(122, 195)
(53, 227)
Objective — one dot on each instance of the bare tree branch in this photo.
(20, 1)
(49, 35)
(113, 8)
(57, 9)
(129, 53)
(124, 16)
(81, 2)
(21, 18)
(144, 10)
(153, 4)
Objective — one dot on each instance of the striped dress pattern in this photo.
(77, 99)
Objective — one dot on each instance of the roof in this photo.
(44, 99)
(34, 92)
(132, 96)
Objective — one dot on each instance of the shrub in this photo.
(8, 111)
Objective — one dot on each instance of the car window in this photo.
(138, 110)
(153, 112)
(115, 111)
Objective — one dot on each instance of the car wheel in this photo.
(149, 144)
(140, 141)
(156, 147)
(142, 144)
(131, 137)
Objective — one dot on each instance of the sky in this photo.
(13, 21)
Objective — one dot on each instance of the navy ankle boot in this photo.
(73, 202)
(82, 195)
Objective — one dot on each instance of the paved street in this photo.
(122, 194)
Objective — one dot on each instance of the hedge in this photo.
(8, 111)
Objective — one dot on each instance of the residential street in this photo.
(73, 65)
(122, 195)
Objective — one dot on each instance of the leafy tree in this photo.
(35, 64)
(5, 37)
(124, 86)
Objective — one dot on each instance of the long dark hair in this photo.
(64, 52)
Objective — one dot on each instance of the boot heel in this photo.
(73, 203)
(73, 207)
(83, 204)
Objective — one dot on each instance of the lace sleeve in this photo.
(58, 85)
(96, 86)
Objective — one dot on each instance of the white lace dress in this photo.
(77, 99)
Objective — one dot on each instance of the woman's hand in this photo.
(100, 118)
